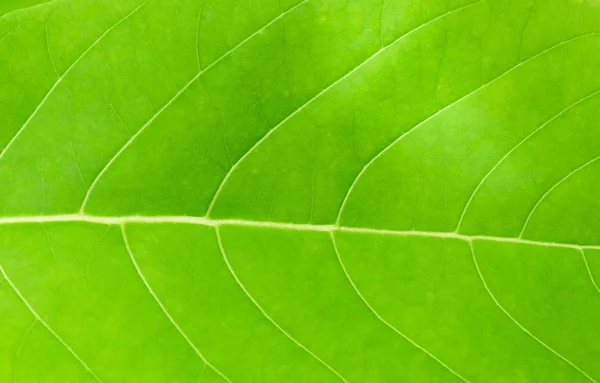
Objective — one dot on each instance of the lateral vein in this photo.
(172, 100)
(265, 314)
(61, 78)
(163, 308)
(46, 325)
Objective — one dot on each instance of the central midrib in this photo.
(205, 221)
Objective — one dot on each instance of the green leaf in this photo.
(300, 191)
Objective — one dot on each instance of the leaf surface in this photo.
(300, 191)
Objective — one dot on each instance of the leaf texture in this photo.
(300, 191)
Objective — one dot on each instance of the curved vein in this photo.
(175, 97)
(61, 78)
(589, 270)
(43, 322)
(259, 307)
(357, 291)
(162, 307)
(317, 96)
(423, 122)
(549, 191)
(497, 303)
(42, 4)
(556, 116)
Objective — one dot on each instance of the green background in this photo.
(314, 191)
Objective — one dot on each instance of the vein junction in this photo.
(121, 220)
